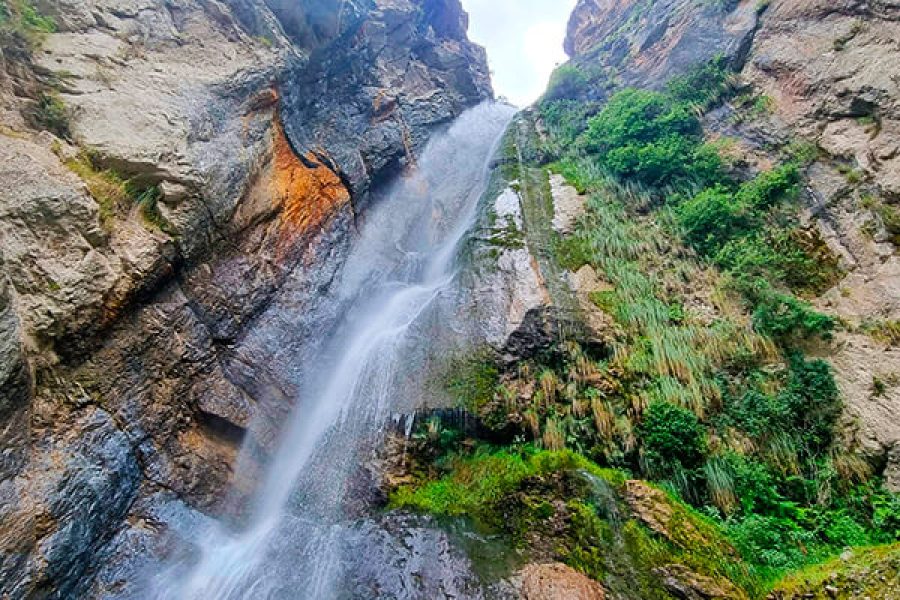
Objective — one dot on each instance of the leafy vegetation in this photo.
(868, 572)
(50, 113)
(20, 20)
(116, 193)
(703, 386)
(557, 505)
(644, 137)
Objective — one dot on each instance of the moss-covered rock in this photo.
(635, 539)
(872, 573)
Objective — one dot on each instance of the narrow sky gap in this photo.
(524, 41)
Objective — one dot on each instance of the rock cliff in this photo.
(824, 74)
(179, 183)
(653, 318)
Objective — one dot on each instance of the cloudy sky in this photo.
(524, 41)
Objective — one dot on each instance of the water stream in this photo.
(403, 261)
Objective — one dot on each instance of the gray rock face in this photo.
(64, 506)
(828, 72)
(644, 43)
(384, 68)
(144, 340)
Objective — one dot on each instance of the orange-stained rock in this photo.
(557, 581)
(307, 191)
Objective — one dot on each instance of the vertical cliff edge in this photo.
(178, 182)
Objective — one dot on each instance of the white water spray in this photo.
(404, 259)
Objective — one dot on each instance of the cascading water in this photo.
(403, 261)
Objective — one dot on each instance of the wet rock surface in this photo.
(179, 315)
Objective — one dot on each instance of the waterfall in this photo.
(403, 261)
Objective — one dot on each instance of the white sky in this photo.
(524, 41)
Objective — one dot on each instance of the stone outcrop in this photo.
(557, 581)
(163, 252)
(643, 43)
(830, 76)
(826, 75)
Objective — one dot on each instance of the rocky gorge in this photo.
(182, 188)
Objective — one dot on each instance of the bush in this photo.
(770, 187)
(712, 218)
(566, 119)
(635, 117)
(755, 486)
(813, 401)
(771, 541)
(649, 138)
(566, 82)
(704, 86)
(671, 434)
(784, 317)
(50, 113)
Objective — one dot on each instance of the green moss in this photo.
(472, 380)
(868, 572)
(478, 485)
(19, 18)
(115, 192)
(50, 113)
(561, 506)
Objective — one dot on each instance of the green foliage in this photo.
(802, 152)
(115, 192)
(770, 187)
(812, 402)
(773, 542)
(785, 317)
(478, 484)
(646, 137)
(703, 392)
(750, 232)
(671, 434)
(50, 113)
(473, 380)
(704, 86)
(805, 407)
(717, 216)
(147, 199)
(567, 82)
(869, 572)
(20, 19)
(712, 218)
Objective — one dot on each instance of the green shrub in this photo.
(811, 398)
(783, 317)
(704, 86)
(566, 82)
(772, 542)
(50, 113)
(649, 138)
(633, 117)
(769, 187)
(671, 434)
(712, 218)
(755, 486)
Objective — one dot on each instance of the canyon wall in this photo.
(826, 74)
(180, 181)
